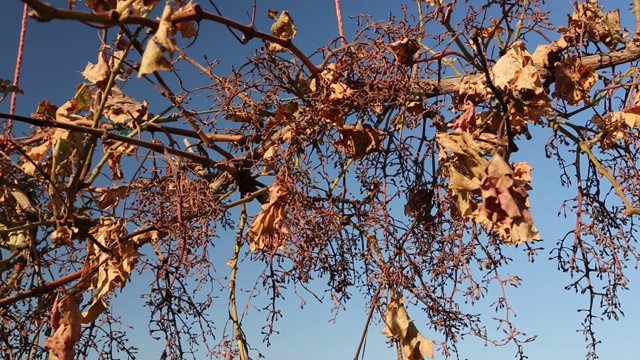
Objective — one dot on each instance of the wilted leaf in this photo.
(95, 309)
(616, 125)
(114, 156)
(462, 156)
(340, 91)
(505, 204)
(467, 121)
(573, 80)
(588, 21)
(399, 326)
(63, 235)
(106, 271)
(166, 31)
(187, 28)
(111, 196)
(121, 108)
(66, 329)
(269, 221)
(283, 27)
(404, 50)
(359, 140)
(98, 73)
(515, 72)
(153, 60)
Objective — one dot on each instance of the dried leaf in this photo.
(515, 72)
(615, 126)
(166, 31)
(63, 235)
(270, 220)
(122, 108)
(359, 140)
(573, 80)
(112, 196)
(505, 204)
(187, 28)
(153, 60)
(462, 156)
(98, 73)
(399, 326)
(66, 329)
(95, 309)
(283, 27)
(340, 91)
(404, 50)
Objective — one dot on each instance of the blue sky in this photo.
(55, 54)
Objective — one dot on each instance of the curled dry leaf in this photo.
(270, 221)
(359, 140)
(467, 120)
(404, 50)
(106, 271)
(615, 126)
(98, 73)
(505, 202)
(63, 235)
(399, 326)
(121, 108)
(111, 196)
(153, 58)
(462, 156)
(283, 28)
(66, 319)
(573, 80)
(187, 28)
(588, 21)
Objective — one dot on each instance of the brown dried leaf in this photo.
(66, 329)
(95, 309)
(63, 235)
(573, 80)
(359, 140)
(616, 125)
(269, 221)
(505, 204)
(98, 73)
(516, 73)
(121, 108)
(284, 27)
(404, 50)
(166, 31)
(399, 326)
(187, 28)
(588, 21)
(462, 156)
(340, 91)
(112, 196)
(114, 267)
(153, 60)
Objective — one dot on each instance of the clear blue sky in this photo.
(55, 54)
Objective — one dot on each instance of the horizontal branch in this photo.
(45, 12)
(105, 135)
(450, 85)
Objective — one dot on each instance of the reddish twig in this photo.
(16, 75)
(343, 39)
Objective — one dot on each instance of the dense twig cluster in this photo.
(342, 166)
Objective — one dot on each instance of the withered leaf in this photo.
(269, 221)
(359, 140)
(505, 204)
(66, 327)
(573, 80)
(399, 326)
